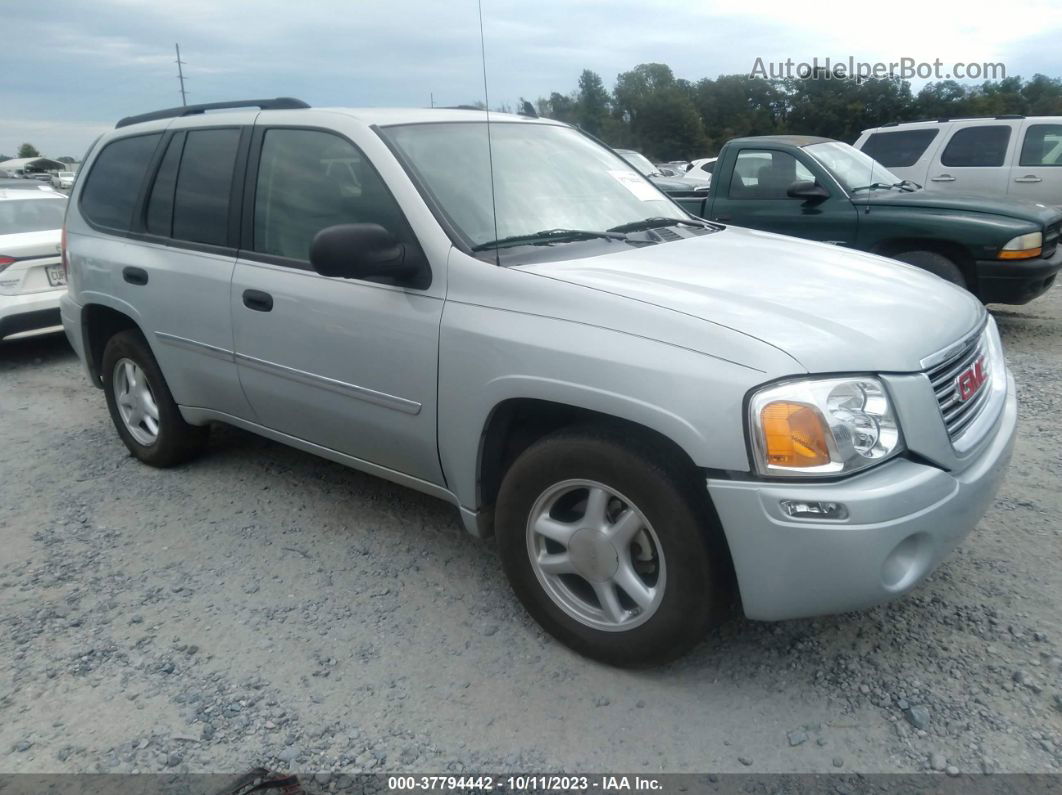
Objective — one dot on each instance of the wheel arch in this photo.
(99, 322)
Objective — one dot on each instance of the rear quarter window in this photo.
(113, 185)
(900, 148)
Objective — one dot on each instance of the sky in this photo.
(70, 68)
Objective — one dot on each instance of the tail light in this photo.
(63, 256)
(5, 261)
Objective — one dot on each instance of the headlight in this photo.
(822, 427)
(1023, 246)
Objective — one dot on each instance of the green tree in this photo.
(664, 123)
(28, 150)
(592, 103)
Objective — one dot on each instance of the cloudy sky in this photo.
(70, 68)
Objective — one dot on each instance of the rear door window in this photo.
(204, 186)
(899, 149)
(981, 146)
(1042, 145)
(160, 201)
(114, 183)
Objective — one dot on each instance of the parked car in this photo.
(670, 185)
(32, 278)
(1010, 156)
(14, 183)
(1002, 250)
(700, 172)
(42, 176)
(63, 179)
(643, 407)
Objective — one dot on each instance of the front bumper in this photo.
(904, 519)
(28, 313)
(1016, 281)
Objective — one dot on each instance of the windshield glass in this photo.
(545, 177)
(640, 162)
(31, 215)
(852, 168)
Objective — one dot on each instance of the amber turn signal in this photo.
(795, 435)
(1028, 253)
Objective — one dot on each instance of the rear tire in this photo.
(639, 572)
(935, 263)
(141, 406)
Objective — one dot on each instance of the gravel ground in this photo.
(262, 606)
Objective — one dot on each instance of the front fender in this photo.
(488, 356)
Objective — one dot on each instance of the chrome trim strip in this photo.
(941, 356)
(198, 347)
(340, 387)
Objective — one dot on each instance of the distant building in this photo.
(20, 166)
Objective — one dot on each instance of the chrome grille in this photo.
(958, 414)
(1051, 235)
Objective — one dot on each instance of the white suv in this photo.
(1015, 156)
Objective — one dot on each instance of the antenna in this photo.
(490, 152)
(180, 74)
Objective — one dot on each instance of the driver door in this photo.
(755, 197)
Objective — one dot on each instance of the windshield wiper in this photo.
(908, 185)
(547, 236)
(874, 186)
(653, 223)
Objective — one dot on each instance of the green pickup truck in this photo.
(1002, 250)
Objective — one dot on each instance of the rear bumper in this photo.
(29, 313)
(904, 519)
(1016, 281)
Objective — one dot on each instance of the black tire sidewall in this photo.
(935, 263)
(176, 440)
(691, 599)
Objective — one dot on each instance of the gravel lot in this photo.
(262, 606)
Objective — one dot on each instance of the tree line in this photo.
(668, 118)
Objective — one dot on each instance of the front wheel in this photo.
(141, 406)
(609, 548)
(935, 263)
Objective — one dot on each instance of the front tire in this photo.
(935, 263)
(609, 547)
(141, 406)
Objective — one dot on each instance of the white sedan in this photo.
(32, 277)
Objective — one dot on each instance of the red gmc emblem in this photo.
(970, 380)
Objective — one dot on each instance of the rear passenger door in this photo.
(186, 253)
(1037, 173)
(973, 159)
(346, 364)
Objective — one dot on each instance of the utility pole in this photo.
(432, 95)
(180, 74)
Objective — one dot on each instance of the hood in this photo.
(831, 309)
(1022, 209)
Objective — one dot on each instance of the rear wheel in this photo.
(141, 406)
(609, 548)
(935, 263)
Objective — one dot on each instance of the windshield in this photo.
(546, 177)
(852, 168)
(640, 162)
(31, 215)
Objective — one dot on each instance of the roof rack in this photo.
(943, 119)
(277, 103)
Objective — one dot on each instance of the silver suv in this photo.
(654, 415)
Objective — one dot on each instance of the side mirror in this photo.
(808, 191)
(359, 251)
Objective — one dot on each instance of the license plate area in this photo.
(56, 275)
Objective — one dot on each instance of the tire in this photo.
(679, 554)
(935, 263)
(174, 441)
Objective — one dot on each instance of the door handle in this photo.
(942, 178)
(1029, 178)
(137, 276)
(257, 300)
